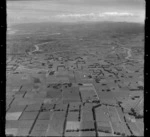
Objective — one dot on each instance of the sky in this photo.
(30, 11)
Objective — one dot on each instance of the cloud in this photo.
(97, 15)
(118, 14)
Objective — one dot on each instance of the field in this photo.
(75, 79)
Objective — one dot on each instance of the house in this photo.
(60, 67)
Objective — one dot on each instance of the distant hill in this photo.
(96, 26)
